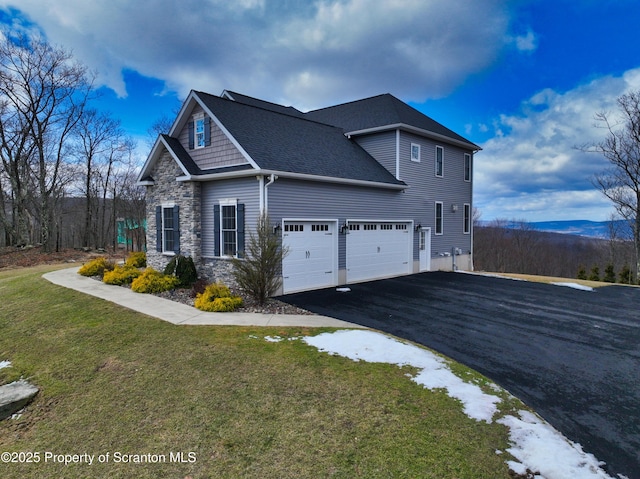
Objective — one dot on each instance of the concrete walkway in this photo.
(178, 313)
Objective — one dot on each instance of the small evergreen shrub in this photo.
(152, 281)
(137, 259)
(170, 268)
(625, 275)
(609, 274)
(96, 267)
(582, 273)
(595, 274)
(217, 298)
(183, 268)
(121, 275)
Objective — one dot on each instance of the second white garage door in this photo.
(378, 250)
(312, 261)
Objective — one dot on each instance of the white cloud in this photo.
(526, 43)
(309, 54)
(532, 169)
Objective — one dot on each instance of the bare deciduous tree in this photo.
(621, 148)
(43, 93)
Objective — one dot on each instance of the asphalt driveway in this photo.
(573, 356)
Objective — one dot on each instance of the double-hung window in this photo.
(199, 132)
(439, 161)
(439, 218)
(229, 230)
(228, 217)
(467, 167)
(466, 226)
(168, 229)
(199, 129)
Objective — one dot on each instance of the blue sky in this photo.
(522, 79)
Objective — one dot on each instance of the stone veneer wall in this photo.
(184, 194)
(188, 196)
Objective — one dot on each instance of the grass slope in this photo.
(115, 381)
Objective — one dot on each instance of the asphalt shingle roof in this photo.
(380, 111)
(280, 141)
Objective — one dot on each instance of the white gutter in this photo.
(295, 176)
(403, 126)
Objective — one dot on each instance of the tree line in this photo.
(67, 170)
(517, 247)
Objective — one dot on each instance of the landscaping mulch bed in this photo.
(272, 306)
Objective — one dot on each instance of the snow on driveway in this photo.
(535, 444)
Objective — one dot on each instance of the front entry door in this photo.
(425, 249)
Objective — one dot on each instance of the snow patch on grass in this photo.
(434, 373)
(535, 444)
(5, 364)
(540, 448)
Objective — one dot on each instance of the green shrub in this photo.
(609, 274)
(219, 305)
(96, 267)
(152, 281)
(137, 259)
(625, 275)
(582, 273)
(183, 268)
(217, 298)
(595, 274)
(121, 275)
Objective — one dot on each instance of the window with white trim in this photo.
(467, 167)
(415, 152)
(168, 228)
(199, 130)
(439, 161)
(466, 227)
(229, 229)
(439, 218)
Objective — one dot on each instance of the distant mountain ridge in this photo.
(592, 229)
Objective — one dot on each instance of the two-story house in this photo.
(364, 190)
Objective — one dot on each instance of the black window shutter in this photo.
(176, 229)
(240, 230)
(216, 230)
(192, 141)
(207, 131)
(158, 228)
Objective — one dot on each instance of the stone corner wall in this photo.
(187, 195)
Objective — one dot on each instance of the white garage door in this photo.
(312, 261)
(378, 250)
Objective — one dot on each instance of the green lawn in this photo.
(115, 381)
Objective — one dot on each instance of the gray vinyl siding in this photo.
(303, 199)
(382, 146)
(426, 188)
(244, 190)
(222, 151)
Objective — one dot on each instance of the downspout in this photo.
(272, 179)
(398, 154)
